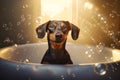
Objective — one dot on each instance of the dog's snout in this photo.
(58, 35)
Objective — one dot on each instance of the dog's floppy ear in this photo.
(41, 30)
(75, 31)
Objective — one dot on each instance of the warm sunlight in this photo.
(56, 9)
(88, 5)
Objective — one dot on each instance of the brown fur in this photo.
(57, 32)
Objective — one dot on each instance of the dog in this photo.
(57, 32)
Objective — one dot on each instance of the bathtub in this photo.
(22, 62)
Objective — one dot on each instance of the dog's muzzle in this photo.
(59, 37)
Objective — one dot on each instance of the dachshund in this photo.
(57, 32)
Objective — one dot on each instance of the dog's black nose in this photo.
(58, 36)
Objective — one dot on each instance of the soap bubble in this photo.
(89, 56)
(25, 6)
(22, 18)
(26, 61)
(100, 69)
(8, 40)
(73, 75)
(18, 23)
(39, 20)
(62, 76)
(100, 47)
(17, 67)
(86, 52)
(15, 45)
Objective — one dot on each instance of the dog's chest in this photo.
(57, 55)
(59, 58)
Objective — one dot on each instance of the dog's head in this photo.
(57, 30)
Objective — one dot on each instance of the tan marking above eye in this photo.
(62, 24)
(39, 31)
(54, 24)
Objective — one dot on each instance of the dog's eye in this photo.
(65, 30)
(51, 28)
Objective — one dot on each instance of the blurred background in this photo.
(98, 20)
